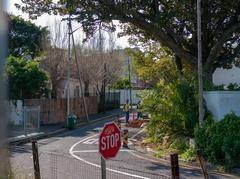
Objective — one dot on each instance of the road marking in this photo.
(91, 141)
(80, 128)
(95, 151)
(139, 132)
(98, 166)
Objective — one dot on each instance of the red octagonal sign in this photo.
(109, 141)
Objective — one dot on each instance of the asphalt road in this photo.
(74, 155)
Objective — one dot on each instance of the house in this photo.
(75, 90)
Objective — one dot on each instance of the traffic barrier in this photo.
(125, 138)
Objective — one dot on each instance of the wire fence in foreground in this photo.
(58, 166)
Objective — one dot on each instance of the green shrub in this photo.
(173, 108)
(233, 87)
(220, 141)
(179, 144)
(189, 154)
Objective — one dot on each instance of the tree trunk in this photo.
(208, 75)
(86, 88)
(54, 91)
(179, 66)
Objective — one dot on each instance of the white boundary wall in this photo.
(16, 112)
(125, 94)
(221, 103)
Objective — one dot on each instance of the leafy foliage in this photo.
(121, 83)
(220, 141)
(173, 109)
(153, 65)
(26, 79)
(230, 87)
(189, 154)
(171, 23)
(25, 38)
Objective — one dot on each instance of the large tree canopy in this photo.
(172, 23)
(25, 38)
(26, 79)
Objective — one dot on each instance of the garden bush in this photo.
(173, 108)
(220, 141)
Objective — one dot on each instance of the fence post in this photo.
(103, 168)
(202, 164)
(39, 110)
(174, 166)
(24, 117)
(35, 160)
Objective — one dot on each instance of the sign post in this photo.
(109, 144)
(103, 168)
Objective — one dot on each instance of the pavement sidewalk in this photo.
(16, 137)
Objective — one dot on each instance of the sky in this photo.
(47, 20)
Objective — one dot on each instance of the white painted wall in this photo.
(226, 76)
(221, 103)
(125, 94)
(16, 112)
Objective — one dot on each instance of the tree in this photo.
(121, 83)
(26, 79)
(54, 62)
(54, 57)
(171, 23)
(92, 58)
(25, 38)
(152, 65)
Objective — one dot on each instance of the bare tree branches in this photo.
(54, 60)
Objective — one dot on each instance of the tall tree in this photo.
(54, 58)
(153, 65)
(172, 23)
(24, 37)
(93, 56)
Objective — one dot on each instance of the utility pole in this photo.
(103, 95)
(130, 84)
(79, 76)
(104, 88)
(200, 76)
(68, 67)
(70, 33)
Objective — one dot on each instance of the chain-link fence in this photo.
(64, 166)
(58, 166)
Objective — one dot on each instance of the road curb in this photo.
(56, 132)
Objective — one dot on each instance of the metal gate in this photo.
(31, 119)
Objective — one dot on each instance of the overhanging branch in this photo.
(217, 47)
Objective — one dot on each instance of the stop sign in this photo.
(109, 141)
